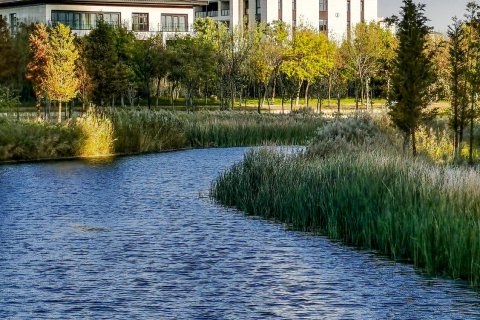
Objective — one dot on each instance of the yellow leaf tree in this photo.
(61, 82)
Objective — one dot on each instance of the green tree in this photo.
(473, 66)
(61, 82)
(364, 52)
(309, 56)
(191, 61)
(413, 73)
(108, 51)
(457, 76)
(8, 55)
(148, 56)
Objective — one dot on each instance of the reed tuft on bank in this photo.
(366, 193)
(122, 131)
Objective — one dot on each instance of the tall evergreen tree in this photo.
(413, 73)
(458, 69)
(472, 18)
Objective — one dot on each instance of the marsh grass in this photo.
(119, 131)
(375, 198)
(228, 129)
(31, 140)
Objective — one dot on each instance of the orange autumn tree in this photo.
(40, 56)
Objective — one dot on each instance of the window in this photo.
(323, 5)
(140, 22)
(77, 20)
(13, 23)
(323, 26)
(258, 11)
(174, 23)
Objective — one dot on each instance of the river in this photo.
(139, 238)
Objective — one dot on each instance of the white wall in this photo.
(308, 13)
(337, 19)
(371, 10)
(287, 11)
(356, 12)
(26, 14)
(154, 14)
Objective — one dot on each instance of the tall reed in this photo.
(405, 208)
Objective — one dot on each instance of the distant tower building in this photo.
(335, 17)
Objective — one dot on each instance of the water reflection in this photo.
(138, 238)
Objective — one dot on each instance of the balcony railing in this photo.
(225, 12)
(83, 29)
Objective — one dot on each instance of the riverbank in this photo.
(354, 185)
(122, 132)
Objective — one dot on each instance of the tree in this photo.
(457, 76)
(364, 52)
(8, 56)
(473, 65)
(309, 56)
(85, 82)
(413, 73)
(148, 56)
(191, 64)
(39, 44)
(61, 82)
(108, 51)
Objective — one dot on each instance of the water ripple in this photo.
(138, 238)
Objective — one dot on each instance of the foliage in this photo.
(121, 131)
(61, 82)
(413, 73)
(8, 57)
(39, 44)
(373, 198)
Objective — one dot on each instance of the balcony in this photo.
(225, 12)
(204, 14)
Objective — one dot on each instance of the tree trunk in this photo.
(470, 149)
(60, 111)
(414, 142)
(158, 92)
(259, 108)
(149, 102)
(306, 93)
(356, 95)
(329, 90)
(297, 101)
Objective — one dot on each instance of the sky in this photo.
(440, 12)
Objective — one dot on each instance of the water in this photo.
(138, 238)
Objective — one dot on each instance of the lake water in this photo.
(139, 238)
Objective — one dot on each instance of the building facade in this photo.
(334, 17)
(144, 17)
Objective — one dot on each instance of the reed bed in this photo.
(32, 140)
(228, 129)
(375, 198)
(120, 131)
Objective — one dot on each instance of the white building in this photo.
(144, 17)
(333, 16)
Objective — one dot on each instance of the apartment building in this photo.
(144, 17)
(334, 17)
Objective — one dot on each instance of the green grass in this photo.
(367, 195)
(122, 131)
